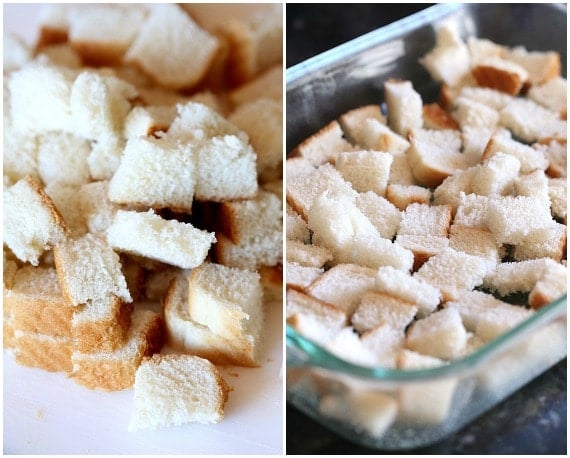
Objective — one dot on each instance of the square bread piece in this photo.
(228, 300)
(171, 390)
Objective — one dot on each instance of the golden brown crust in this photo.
(51, 36)
(435, 117)
(53, 355)
(41, 314)
(98, 54)
(498, 78)
(329, 136)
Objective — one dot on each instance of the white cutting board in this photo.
(47, 413)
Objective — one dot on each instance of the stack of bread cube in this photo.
(142, 157)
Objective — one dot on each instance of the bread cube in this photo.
(365, 170)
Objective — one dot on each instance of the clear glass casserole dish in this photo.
(406, 409)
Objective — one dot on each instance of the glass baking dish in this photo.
(407, 409)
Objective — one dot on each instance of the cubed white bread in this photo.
(531, 122)
(494, 321)
(422, 246)
(451, 188)
(186, 335)
(534, 184)
(262, 120)
(384, 341)
(449, 60)
(115, 370)
(32, 223)
(435, 117)
(550, 243)
(371, 411)
(471, 211)
(228, 300)
(352, 122)
(53, 20)
(225, 169)
(296, 167)
(46, 352)
(172, 390)
(453, 272)
(323, 146)
(275, 186)
(41, 107)
(376, 135)
(314, 319)
(196, 122)
(62, 158)
(88, 269)
(169, 241)
(157, 282)
(265, 249)
(423, 219)
(308, 255)
(424, 403)
(440, 334)
(102, 33)
(476, 241)
(158, 173)
(365, 170)
(400, 171)
(551, 286)
(491, 97)
(482, 48)
(248, 219)
(16, 52)
(382, 213)
(60, 54)
(448, 93)
(295, 226)
(556, 153)
(475, 141)
(347, 346)
(474, 114)
(96, 208)
(501, 74)
(541, 66)
(267, 84)
(105, 157)
(9, 267)
(530, 159)
(20, 154)
(146, 121)
(300, 277)
(404, 105)
(512, 219)
(515, 277)
(343, 286)
(402, 195)
(99, 105)
(376, 308)
(435, 155)
(551, 95)
(408, 288)
(166, 42)
(67, 200)
(338, 225)
(496, 175)
(558, 193)
(303, 190)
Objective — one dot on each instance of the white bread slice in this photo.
(267, 84)
(534, 184)
(169, 241)
(551, 286)
(453, 272)
(408, 288)
(384, 341)
(186, 335)
(376, 135)
(371, 411)
(115, 370)
(452, 187)
(404, 105)
(474, 114)
(434, 155)
(512, 219)
(550, 244)
(172, 390)
(551, 95)
(262, 120)
(253, 253)
(295, 226)
(501, 74)
(323, 146)
(63, 158)
(471, 211)
(490, 97)
(483, 48)
(43, 351)
(353, 121)
(423, 219)
(67, 200)
(303, 190)
(307, 255)
(366, 170)
(20, 152)
(402, 195)
(381, 212)
(348, 346)
(89, 270)
(496, 175)
(167, 41)
(530, 159)
(542, 66)
(422, 246)
(96, 208)
(157, 173)
(32, 224)
(376, 308)
(557, 155)
(440, 334)
(558, 193)
(61, 54)
(342, 286)
(449, 60)
(145, 121)
(228, 300)
(105, 157)
(476, 241)
(494, 321)
(296, 167)
(300, 277)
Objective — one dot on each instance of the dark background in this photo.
(531, 421)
